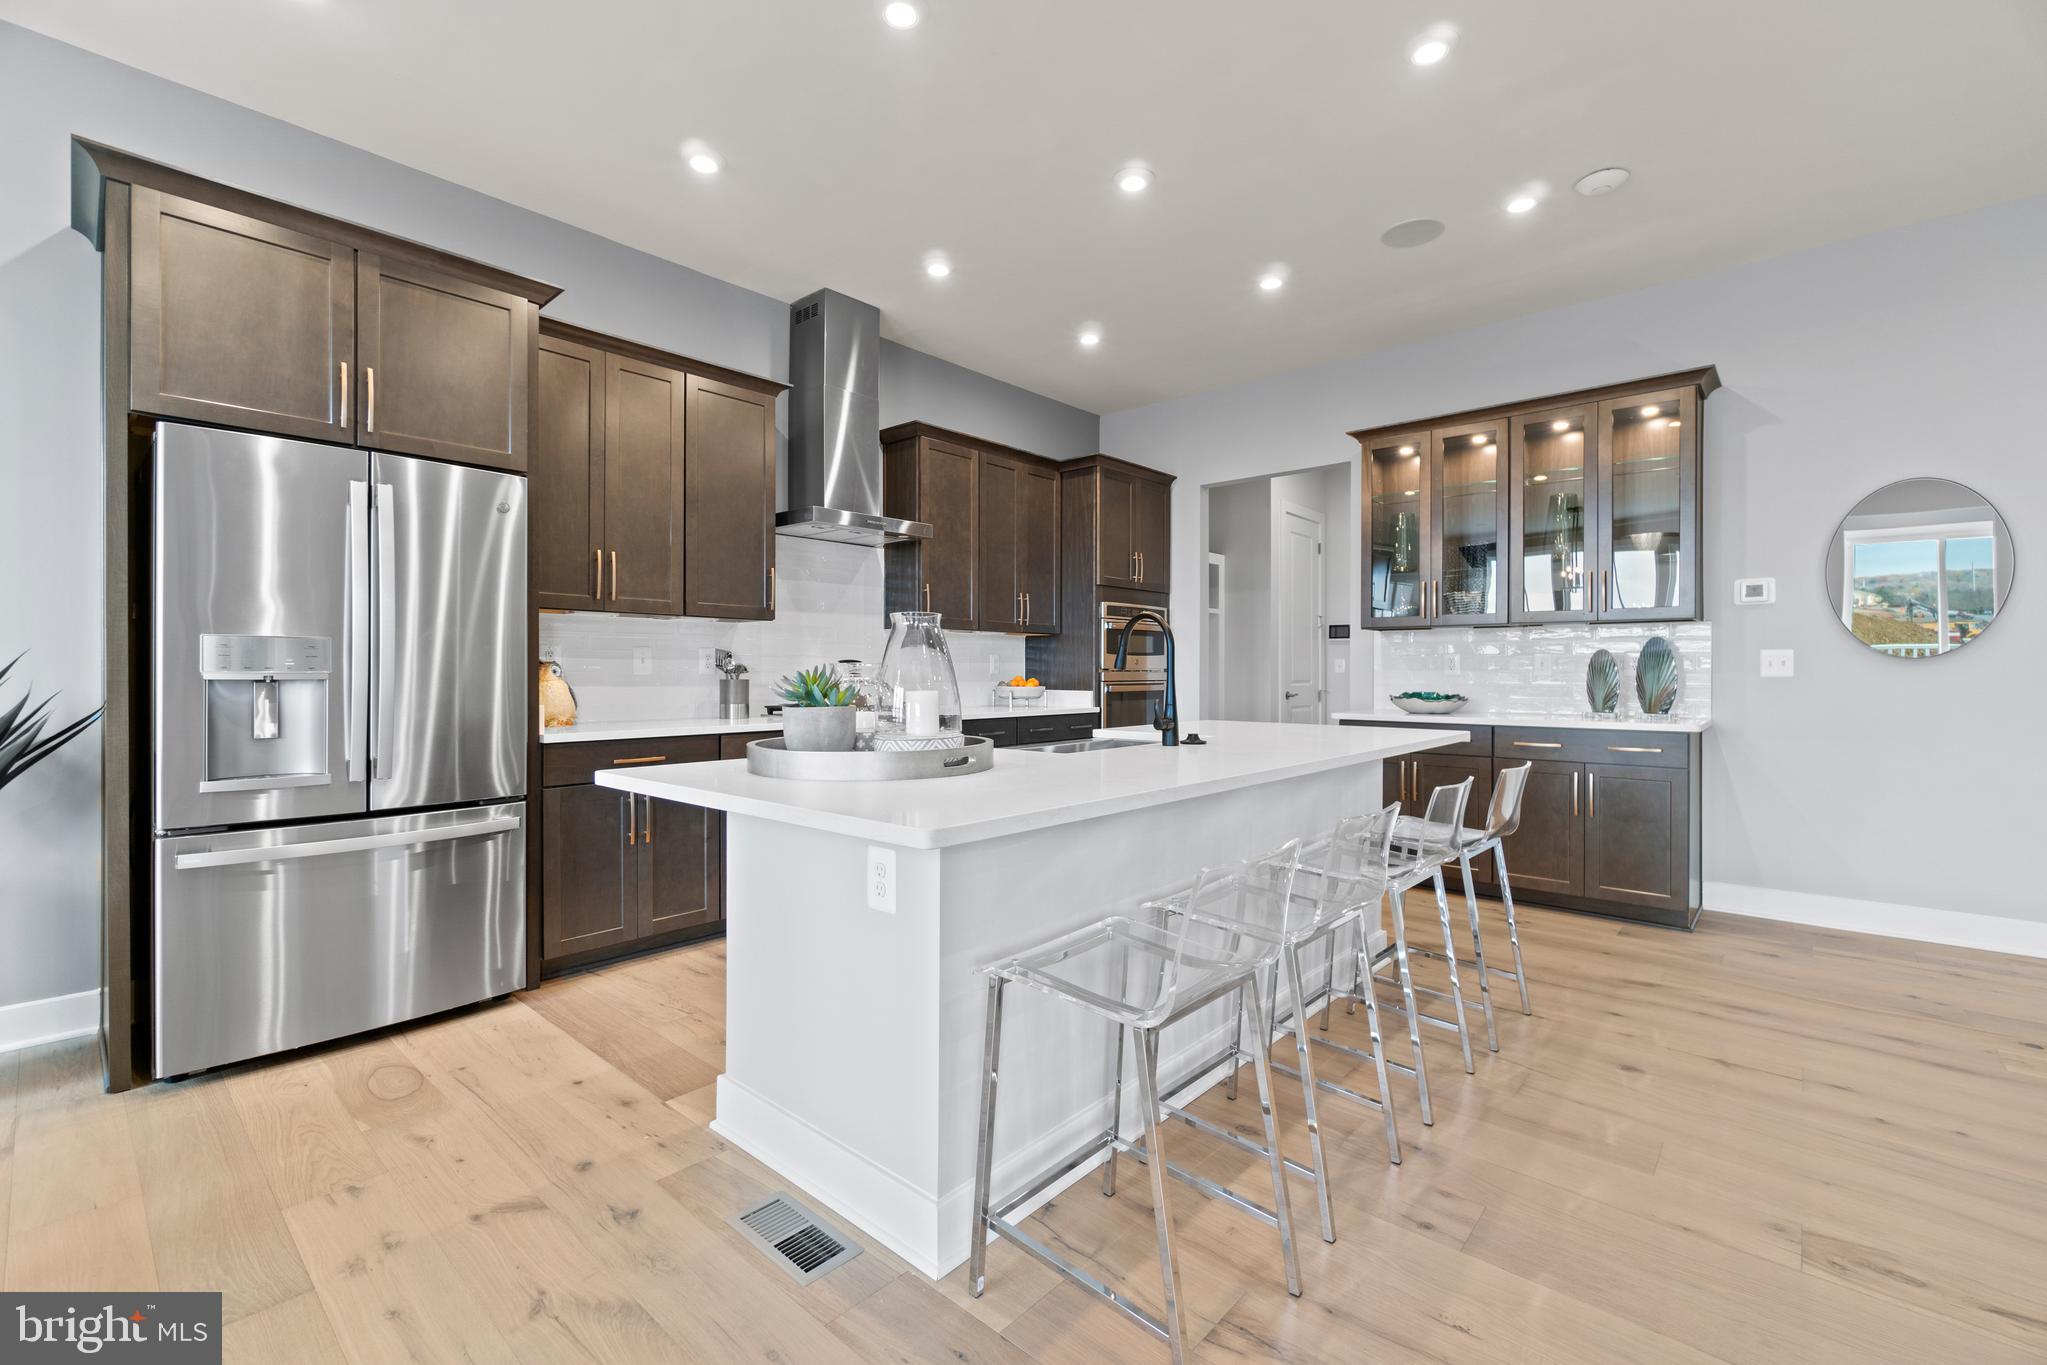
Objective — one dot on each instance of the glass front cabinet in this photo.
(1577, 508)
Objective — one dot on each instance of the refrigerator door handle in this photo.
(402, 838)
(387, 643)
(357, 649)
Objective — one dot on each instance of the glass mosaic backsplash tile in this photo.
(1536, 670)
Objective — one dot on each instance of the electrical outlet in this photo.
(643, 660)
(1339, 665)
(549, 654)
(1776, 663)
(707, 660)
(881, 879)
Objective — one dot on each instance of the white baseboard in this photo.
(48, 1021)
(1956, 928)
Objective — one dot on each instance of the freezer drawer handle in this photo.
(280, 853)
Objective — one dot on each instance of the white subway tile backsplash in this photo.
(829, 607)
(1537, 670)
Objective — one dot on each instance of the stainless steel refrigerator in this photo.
(339, 725)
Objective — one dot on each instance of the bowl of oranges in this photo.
(1019, 688)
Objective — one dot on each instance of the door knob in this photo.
(1291, 695)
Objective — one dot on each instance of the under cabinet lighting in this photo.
(1651, 410)
(1560, 425)
(1540, 478)
(1405, 450)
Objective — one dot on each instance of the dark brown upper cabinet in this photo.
(992, 561)
(446, 363)
(729, 501)
(1128, 510)
(240, 322)
(653, 482)
(1016, 556)
(1037, 556)
(932, 478)
(1577, 507)
(643, 486)
(568, 477)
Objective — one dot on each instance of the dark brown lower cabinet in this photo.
(620, 873)
(1609, 821)
(1546, 853)
(1635, 835)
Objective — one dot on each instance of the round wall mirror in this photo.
(1920, 568)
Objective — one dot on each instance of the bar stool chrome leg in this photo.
(1261, 1064)
(1115, 1118)
(984, 1166)
(1513, 934)
(1485, 987)
(1411, 1011)
(1155, 1163)
(1450, 961)
(1292, 958)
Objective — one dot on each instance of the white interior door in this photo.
(1297, 579)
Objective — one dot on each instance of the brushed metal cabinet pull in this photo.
(1632, 749)
(369, 381)
(344, 394)
(648, 837)
(614, 575)
(632, 820)
(629, 762)
(1537, 744)
(927, 594)
(1574, 793)
(599, 556)
(1592, 793)
(771, 611)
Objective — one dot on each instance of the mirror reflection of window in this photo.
(1920, 568)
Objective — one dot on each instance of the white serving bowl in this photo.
(1414, 706)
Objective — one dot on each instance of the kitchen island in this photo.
(853, 1001)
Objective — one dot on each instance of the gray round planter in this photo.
(817, 729)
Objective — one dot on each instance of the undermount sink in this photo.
(1084, 746)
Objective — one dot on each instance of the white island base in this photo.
(853, 1035)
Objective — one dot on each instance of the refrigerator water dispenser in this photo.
(266, 717)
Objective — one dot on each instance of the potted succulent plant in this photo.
(817, 711)
(22, 742)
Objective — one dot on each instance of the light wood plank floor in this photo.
(1756, 1143)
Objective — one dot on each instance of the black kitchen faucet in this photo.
(1166, 719)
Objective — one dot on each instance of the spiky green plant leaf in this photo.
(820, 686)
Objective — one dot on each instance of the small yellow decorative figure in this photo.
(557, 699)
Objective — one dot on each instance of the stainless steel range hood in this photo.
(835, 426)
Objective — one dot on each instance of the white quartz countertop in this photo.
(1680, 725)
(589, 731)
(1030, 791)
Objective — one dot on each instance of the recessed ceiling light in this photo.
(1561, 424)
(1651, 410)
(1479, 439)
(1540, 478)
(1521, 203)
(1671, 423)
(1272, 281)
(1090, 336)
(936, 266)
(1134, 178)
(1406, 450)
(901, 14)
(1413, 232)
(701, 158)
(1429, 52)
(1604, 181)
(1410, 492)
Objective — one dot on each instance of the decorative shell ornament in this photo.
(1656, 676)
(1603, 683)
(557, 698)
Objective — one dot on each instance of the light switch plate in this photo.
(1338, 664)
(643, 660)
(881, 879)
(1776, 663)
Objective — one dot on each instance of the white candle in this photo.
(920, 712)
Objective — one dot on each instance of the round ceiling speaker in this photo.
(1602, 181)
(1413, 232)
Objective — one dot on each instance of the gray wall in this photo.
(51, 492)
(1240, 530)
(1908, 353)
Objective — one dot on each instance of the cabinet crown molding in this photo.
(94, 164)
(1705, 379)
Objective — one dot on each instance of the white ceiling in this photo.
(1291, 132)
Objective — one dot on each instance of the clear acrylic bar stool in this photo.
(1421, 849)
(1141, 975)
(1339, 878)
(1503, 817)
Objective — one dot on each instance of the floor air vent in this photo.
(798, 1240)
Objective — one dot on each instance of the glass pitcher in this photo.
(918, 693)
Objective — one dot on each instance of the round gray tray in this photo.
(769, 758)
